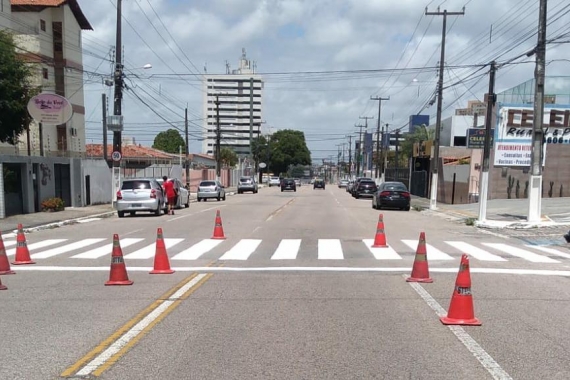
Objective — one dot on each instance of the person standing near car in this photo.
(170, 193)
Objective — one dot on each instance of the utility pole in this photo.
(397, 144)
(186, 163)
(535, 180)
(104, 102)
(386, 149)
(435, 163)
(484, 176)
(349, 156)
(379, 98)
(218, 138)
(365, 118)
(359, 150)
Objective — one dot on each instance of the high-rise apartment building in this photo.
(240, 108)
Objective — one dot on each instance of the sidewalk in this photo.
(71, 215)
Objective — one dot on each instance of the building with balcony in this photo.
(240, 108)
(48, 36)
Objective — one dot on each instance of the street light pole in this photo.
(116, 123)
(377, 169)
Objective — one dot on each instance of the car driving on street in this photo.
(247, 184)
(211, 189)
(140, 194)
(393, 195)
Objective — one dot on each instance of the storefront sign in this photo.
(476, 138)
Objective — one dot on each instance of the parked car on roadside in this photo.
(211, 189)
(140, 194)
(392, 194)
(365, 188)
(183, 193)
(247, 184)
(342, 183)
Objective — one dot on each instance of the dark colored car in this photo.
(319, 184)
(365, 188)
(393, 195)
(288, 184)
(356, 183)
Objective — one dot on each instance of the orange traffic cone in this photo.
(2, 287)
(4, 263)
(218, 229)
(420, 271)
(118, 275)
(22, 252)
(461, 307)
(161, 263)
(380, 238)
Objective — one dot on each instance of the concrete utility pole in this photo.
(484, 176)
(435, 165)
(359, 150)
(186, 163)
(386, 150)
(349, 156)
(104, 102)
(535, 180)
(218, 138)
(376, 170)
(364, 167)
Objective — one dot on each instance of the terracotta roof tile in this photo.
(73, 4)
(128, 151)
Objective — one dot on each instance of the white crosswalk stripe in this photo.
(41, 244)
(149, 251)
(241, 250)
(475, 252)
(66, 248)
(330, 249)
(551, 251)
(387, 253)
(197, 250)
(107, 249)
(523, 254)
(287, 249)
(432, 252)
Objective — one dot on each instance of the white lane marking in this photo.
(149, 251)
(432, 252)
(194, 213)
(9, 236)
(65, 248)
(523, 254)
(88, 220)
(476, 252)
(38, 245)
(107, 249)
(499, 271)
(330, 249)
(242, 250)
(552, 251)
(381, 253)
(9, 243)
(103, 357)
(197, 249)
(287, 249)
(471, 344)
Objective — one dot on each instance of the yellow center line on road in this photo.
(279, 210)
(117, 344)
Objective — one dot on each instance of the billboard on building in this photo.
(476, 138)
(416, 121)
(513, 134)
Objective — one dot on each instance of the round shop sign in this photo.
(50, 109)
(262, 165)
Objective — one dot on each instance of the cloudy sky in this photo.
(322, 60)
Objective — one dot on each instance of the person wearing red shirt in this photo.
(170, 193)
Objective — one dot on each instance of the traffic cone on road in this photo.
(380, 238)
(461, 307)
(4, 263)
(161, 262)
(22, 252)
(118, 274)
(420, 270)
(2, 287)
(218, 228)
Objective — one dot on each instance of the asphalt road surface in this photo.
(294, 291)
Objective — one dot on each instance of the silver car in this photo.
(183, 193)
(140, 194)
(247, 184)
(211, 189)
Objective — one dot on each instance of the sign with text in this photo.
(476, 138)
(513, 135)
(49, 108)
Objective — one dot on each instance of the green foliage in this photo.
(288, 147)
(260, 149)
(229, 158)
(15, 91)
(420, 134)
(169, 141)
(297, 171)
(53, 204)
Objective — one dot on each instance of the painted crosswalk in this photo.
(187, 249)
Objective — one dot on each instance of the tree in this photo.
(228, 157)
(420, 134)
(169, 141)
(288, 147)
(15, 91)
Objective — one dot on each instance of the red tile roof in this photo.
(73, 4)
(129, 152)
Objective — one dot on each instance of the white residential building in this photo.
(5, 15)
(48, 33)
(240, 108)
